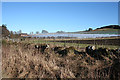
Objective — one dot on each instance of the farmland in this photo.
(60, 57)
(23, 60)
(59, 40)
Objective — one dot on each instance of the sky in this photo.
(60, 0)
(57, 16)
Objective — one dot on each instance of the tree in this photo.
(5, 31)
(4, 25)
(14, 32)
(20, 31)
(60, 32)
(44, 31)
(11, 34)
(31, 32)
(37, 32)
(90, 29)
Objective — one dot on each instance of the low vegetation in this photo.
(41, 58)
(38, 60)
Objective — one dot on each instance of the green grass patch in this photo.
(72, 44)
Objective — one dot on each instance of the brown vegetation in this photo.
(25, 60)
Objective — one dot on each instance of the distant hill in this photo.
(111, 29)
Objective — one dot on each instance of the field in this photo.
(57, 40)
(60, 60)
(102, 31)
(111, 43)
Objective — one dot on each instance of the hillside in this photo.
(104, 31)
(111, 29)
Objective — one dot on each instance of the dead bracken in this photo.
(29, 60)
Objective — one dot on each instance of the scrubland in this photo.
(23, 60)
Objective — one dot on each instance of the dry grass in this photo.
(21, 60)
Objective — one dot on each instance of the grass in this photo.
(105, 31)
(21, 62)
(41, 41)
(101, 31)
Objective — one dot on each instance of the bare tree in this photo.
(37, 32)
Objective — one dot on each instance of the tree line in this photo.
(10, 34)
